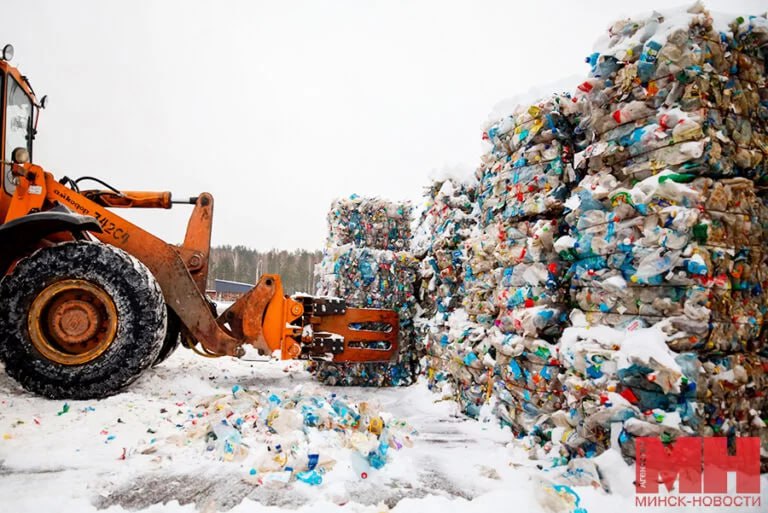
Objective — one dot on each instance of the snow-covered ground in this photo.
(129, 453)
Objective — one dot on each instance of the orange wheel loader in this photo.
(88, 300)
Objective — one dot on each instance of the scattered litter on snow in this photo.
(287, 436)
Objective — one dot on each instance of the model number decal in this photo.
(111, 229)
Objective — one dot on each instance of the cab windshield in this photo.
(18, 126)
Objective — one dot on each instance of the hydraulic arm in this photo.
(299, 327)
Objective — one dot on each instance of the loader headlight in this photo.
(7, 52)
(20, 155)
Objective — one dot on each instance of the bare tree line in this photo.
(239, 263)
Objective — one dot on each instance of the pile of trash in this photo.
(371, 277)
(514, 275)
(291, 436)
(633, 211)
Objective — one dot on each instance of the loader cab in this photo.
(17, 127)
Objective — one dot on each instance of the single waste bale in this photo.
(528, 168)
(372, 223)
(676, 249)
(677, 89)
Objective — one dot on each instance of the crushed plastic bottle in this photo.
(311, 477)
(228, 440)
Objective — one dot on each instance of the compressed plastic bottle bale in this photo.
(481, 273)
(530, 384)
(527, 171)
(731, 394)
(666, 93)
(530, 293)
(367, 278)
(459, 353)
(370, 278)
(673, 248)
(370, 222)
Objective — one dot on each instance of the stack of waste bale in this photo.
(514, 275)
(675, 250)
(367, 262)
(447, 221)
(525, 179)
(513, 295)
(666, 229)
(650, 245)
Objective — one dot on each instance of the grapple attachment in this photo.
(353, 334)
(309, 327)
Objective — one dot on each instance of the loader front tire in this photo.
(80, 320)
(172, 338)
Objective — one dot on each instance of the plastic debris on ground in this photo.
(290, 436)
(633, 210)
(360, 266)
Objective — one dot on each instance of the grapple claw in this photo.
(369, 335)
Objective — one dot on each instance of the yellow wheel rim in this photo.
(72, 322)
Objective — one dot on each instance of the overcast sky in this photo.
(278, 107)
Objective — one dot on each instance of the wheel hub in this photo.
(72, 322)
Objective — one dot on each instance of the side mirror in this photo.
(7, 52)
(44, 102)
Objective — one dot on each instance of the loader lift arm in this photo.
(301, 327)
